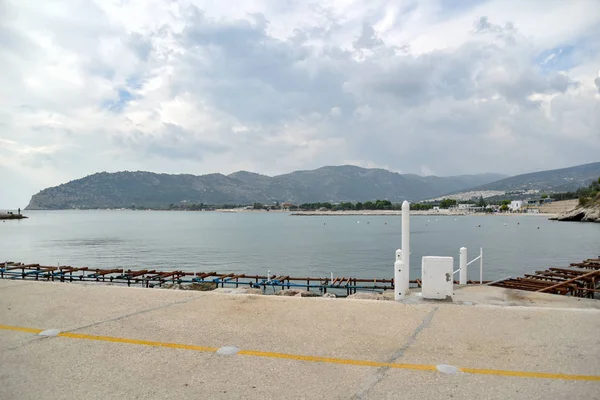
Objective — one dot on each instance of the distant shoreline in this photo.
(415, 213)
(443, 213)
(398, 213)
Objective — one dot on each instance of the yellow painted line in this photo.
(138, 342)
(19, 329)
(316, 359)
(528, 374)
(331, 360)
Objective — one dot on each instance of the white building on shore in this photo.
(515, 205)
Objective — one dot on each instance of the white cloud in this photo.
(205, 86)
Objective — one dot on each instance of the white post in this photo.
(403, 267)
(406, 233)
(400, 277)
(462, 274)
(481, 265)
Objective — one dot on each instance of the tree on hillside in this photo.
(345, 205)
(447, 203)
(481, 202)
(383, 204)
(369, 205)
(590, 195)
(419, 206)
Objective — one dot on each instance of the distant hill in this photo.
(552, 181)
(334, 184)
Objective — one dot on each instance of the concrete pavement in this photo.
(130, 343)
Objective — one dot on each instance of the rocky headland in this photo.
(581, 214)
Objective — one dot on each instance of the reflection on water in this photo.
(99, 242)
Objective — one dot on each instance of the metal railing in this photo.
(480, 258)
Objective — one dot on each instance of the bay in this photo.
(257, 242)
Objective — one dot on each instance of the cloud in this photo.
(368, 38)
(171, 141)
(198, 87)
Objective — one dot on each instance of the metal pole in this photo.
(462, 274)
(481, 265)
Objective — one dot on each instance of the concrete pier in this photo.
(6, 216)
(118, 342)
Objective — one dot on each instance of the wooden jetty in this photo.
(578, 280)
(156, 278)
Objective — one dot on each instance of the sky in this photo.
(271, 86)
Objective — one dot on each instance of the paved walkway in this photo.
(127, 343)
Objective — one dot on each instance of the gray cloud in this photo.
(171, 142)
(368, 38)
(140, 45)
(249, 74)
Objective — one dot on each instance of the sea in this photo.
(316, 246)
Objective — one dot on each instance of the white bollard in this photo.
(400, 277)
(402, 264)
(462, 274)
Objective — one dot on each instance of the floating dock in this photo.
(579, 280)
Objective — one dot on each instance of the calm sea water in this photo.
(299, 246)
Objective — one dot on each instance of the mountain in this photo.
(124, 189)
(332, 183)
(447, 184)
(552, 181)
